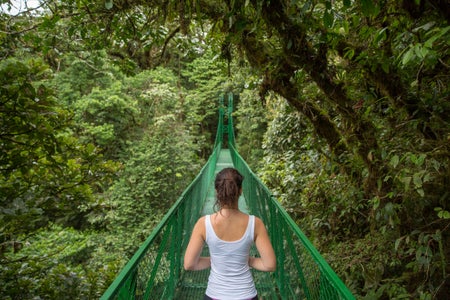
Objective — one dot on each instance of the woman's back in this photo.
(229, 224)
(230, 276)
(229, 234)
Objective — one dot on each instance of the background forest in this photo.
(108, 111)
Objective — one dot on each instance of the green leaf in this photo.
(406, 181)
(417, 179)
(389, 208)
(430, 41)
(289, 45)
(328, 19)
(397, 243)
(442, 214)
(380, 36)
(421, 192)
(394, 161)
(376, 202)
(421, 159)
(349, 53)
(408, 56)
(369, 8)
(109, 4)
(385, 66)
(420, 51)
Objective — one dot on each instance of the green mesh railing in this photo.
(155, 271)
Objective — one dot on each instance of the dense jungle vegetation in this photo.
(108, 111)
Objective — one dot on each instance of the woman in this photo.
(229, 234)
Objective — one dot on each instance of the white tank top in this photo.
(230, 277)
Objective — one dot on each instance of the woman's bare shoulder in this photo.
(259, 225)
(258, 221)
(201, 220)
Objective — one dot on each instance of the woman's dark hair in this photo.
(228, 185)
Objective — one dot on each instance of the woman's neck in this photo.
(234, 207)
(228, 211)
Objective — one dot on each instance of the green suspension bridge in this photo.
(156, 269)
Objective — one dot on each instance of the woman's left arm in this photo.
(267, 261)
(192, 259)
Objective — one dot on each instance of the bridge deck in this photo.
(193, 283)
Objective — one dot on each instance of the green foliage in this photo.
(55, 177)
(77, 76)
(159, 168)
(250, 125)
(106, 118)
(376, 245)
(46, 173)
(326, 203)
(426, 52)
(54, 254)
(392, 64)
(58, 262)
(205, 79)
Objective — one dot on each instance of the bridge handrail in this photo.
(137, 278)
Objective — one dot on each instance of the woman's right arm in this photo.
(267, 261)
(192, 259)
